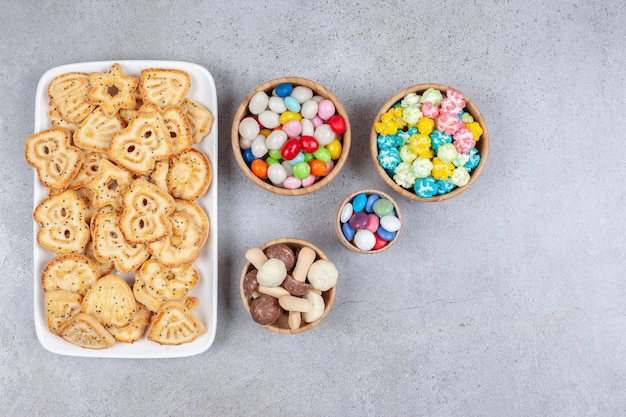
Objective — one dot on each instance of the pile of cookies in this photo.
(121, 216)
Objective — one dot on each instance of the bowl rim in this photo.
(329, 295)
(483, 143)
(349, 198)
(346, 137)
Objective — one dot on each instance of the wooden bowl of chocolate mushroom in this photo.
(288, 285)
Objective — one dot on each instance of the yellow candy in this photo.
(386, 128)
(476, 129)
(288, 116)
(441, 170)
(419, 141)
(335, 149)
(426, 125)
(266, 132)
(425, 152)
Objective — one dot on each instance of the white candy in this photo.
(364, 239)
(258, 102)
(390, 223)
(277, 104)
(346, 212)
(317, 99)
(258, 147)
(244, 143)
(276, 173)
(309, 109)
(276, 140)
(269, 119)
(288, 168)
(307, 127)
(324, 135)
(302, 93)
(249, 128)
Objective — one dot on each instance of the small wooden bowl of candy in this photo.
(368, 221)
(291, 136)
(429, 142)
(288, 285)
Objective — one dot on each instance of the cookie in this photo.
(145, 212)
(112, 90)
(95, 132)
(189, 175)
(68, 96)
(85, 330)
(54, 158)
(62, 226)
(71, 272)
(111, 301)
(155, 284)
(175, 324)
(164, 87)
(200, 119)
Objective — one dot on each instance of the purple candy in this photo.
(358, 221)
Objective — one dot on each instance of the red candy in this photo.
(290, 149)
(309, 144)
(337, 124)
(380, 242)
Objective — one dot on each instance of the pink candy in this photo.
(430, 110)
(449, 123)
(292, 128)
(453, 103)
(463, 140)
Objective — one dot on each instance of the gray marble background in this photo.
(509, 300)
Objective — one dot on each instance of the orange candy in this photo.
(318, 168)
(259, 168)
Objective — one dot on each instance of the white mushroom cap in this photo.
(316, 307)
(272, 273)
(322, 275)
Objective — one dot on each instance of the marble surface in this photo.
(508, 300)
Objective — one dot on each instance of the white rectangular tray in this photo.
(203, 92)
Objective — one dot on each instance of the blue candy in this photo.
(474, 159)
(438, 138)
(389, 158)
(283, 90)
(425, 187)
(386, 234)
(292, 104)
(248, 156)
(369, 206)
(358, 203)
(348, 232)
(386, 141)
(298, 158)
(444, 186)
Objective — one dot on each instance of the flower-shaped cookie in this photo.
(156, 284)
(112, 90)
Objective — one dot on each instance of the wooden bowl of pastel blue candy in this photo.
(368, 221)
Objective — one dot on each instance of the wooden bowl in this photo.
(338, 223)
(282, 325)
(482, 145)
(243, 112)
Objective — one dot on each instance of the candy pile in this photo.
(428, 143)
(369, 221)
(287, 285)
(291, 137)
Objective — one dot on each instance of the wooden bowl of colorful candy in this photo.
(288, 285)
(429, 142)
(368, 221)
(291, 136)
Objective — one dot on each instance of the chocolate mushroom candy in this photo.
(271, 272)
(295, 287)
(250, 284)
(282, 252)
(265, 309)
(306, 256)
(311, 305)
(322, 275)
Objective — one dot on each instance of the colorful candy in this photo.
(294, 134)
(369, 221)
(434, 153)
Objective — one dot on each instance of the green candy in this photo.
(322, 154)
(275, 154)
(383, 207)
(301, 170)
(269, 161)
(308, 156)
